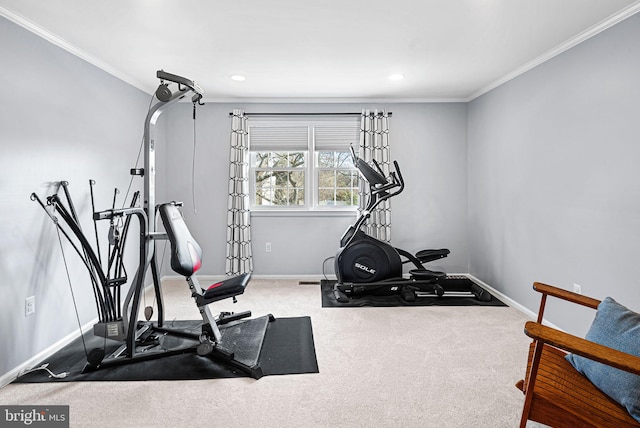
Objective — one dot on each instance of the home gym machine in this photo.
(366, 265)
(229, 337)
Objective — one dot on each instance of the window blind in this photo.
(326, 135)
(338, 136)
(286, 138)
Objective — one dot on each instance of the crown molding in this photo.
(74, 50)
(583, 36)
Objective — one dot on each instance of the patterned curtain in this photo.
(374, 144)
(239, 259)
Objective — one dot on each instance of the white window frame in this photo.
(318, 169)
(254, 170)
(351, 127)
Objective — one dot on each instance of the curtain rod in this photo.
(308, 114)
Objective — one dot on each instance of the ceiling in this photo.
(322, 50)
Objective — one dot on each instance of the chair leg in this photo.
(531, 380)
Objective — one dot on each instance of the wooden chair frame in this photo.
(555, 393)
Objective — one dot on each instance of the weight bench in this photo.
(224, 337)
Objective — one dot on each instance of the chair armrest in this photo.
(550, 290)
(583, 347)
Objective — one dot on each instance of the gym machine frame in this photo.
(122, 323)
(148, 231)
(210, 337)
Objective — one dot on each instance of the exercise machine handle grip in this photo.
(354, 157)
(120, 212)
(397, 172)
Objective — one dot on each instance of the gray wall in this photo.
(60, 119)
(554, 183)
(428, 140)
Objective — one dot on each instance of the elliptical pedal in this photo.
(340, 296)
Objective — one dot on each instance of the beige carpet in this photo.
(429, 366)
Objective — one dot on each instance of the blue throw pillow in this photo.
(616, 327)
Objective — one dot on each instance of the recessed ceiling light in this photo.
(396, 77)
(238, 78)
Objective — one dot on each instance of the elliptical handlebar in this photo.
(378, 182)
(397, 176)
(381, 187)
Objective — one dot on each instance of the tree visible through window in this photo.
(337, 179)
(303, 164)
(279, 178)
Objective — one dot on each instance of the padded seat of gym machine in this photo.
(230, 287)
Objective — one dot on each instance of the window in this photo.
(303, 164)
(337, 179)
(279, 178)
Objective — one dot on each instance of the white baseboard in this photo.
(529, 313)
(503, 297)
(12, 375)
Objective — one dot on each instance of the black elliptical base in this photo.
(480, 297)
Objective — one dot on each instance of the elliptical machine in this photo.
(366, 265)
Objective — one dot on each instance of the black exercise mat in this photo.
(329, 300)
(288, 349)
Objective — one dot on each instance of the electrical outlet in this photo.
(267, 247)
(29, 306)
(577, 288)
